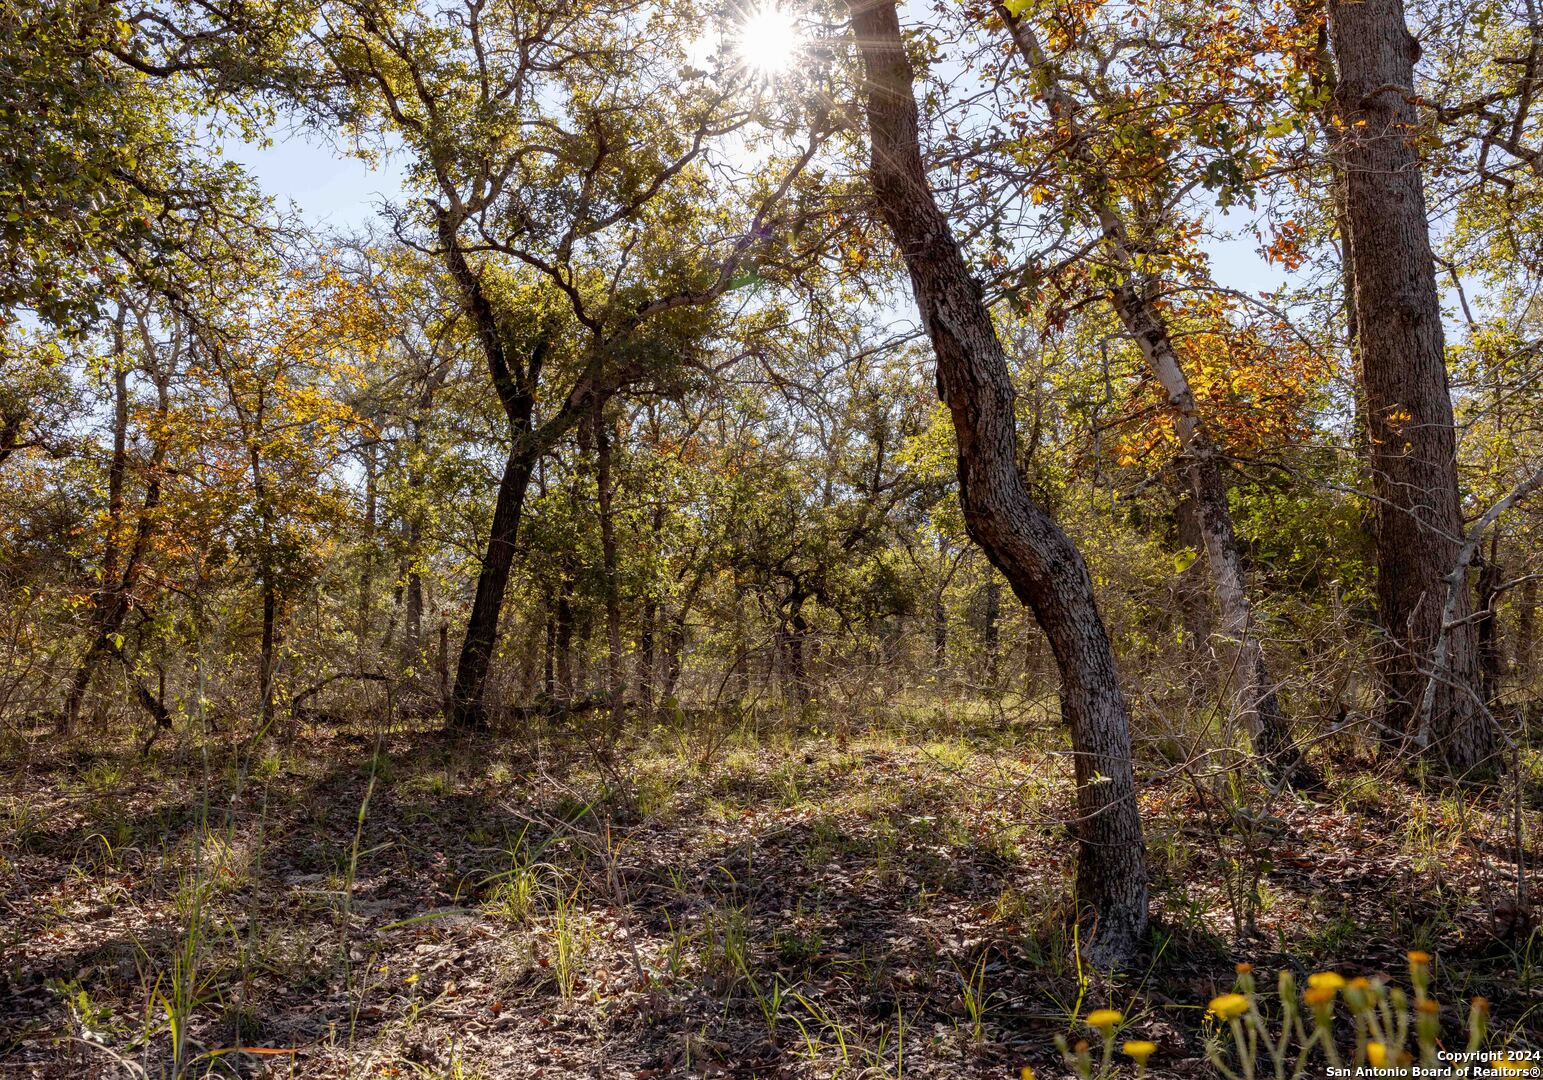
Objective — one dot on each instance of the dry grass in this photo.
(773, 902)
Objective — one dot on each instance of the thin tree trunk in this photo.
(674, 649)
(1418, 526)
(266, 659)
(1526, 633)
(939, 634)
(798, 636)
(563, 637)
(991, 636)
(740, 670)
(412, 623)
(1043, 567)
(646, 659)
(121, 569)
(1485, 626)
(367, 564)
(604, 494)
(446, 695)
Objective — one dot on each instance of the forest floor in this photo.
(782, 902)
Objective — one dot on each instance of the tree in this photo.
(1401, 350)
(567, 170)
(1134, 298)
(1040, 563)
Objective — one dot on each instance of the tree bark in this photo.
(1485, 624)
(492, 580)
(515, 386)
(1418, 524)
(1043, 567)
(562, 636)
(604, 498)
(1194, 603)
(1526, 633)
(266, 660)
(990, 634)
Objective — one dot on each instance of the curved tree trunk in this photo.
(1411, 440)
(1043, 567)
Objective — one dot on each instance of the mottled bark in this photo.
(1194, 597)
(1408, 405)
(1042, 566)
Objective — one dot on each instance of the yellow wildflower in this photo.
(1331, 980)
(1318, 996)
(1140, 1049)
(1104, 1019)
(1376, 1053)
(1510, 1066)
(1229, 1006)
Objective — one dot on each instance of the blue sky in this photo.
(330, 190)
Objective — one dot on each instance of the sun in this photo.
(767, 40)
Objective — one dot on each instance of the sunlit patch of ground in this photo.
(762, 900)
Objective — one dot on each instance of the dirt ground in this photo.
(782, 902)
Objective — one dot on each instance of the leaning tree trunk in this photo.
(1408, 404)
(1043, 567)
(1255, 700)
(492, 580)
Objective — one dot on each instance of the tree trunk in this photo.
(1418, 525)
(492, 580)
(446, 694)
(798, 673)
(674, 649)
(412, 623)
(563, 637)
(939, 635)
(1486, 626)
(266, 661)
(370, 459)
(121, 568)
(1043, 567)
(549, 649)
(990, 634)
(1194, 602)
(739, 671)
(1526, 634)
(613, 669)
(646, 624)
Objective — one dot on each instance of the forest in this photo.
(771, 539)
